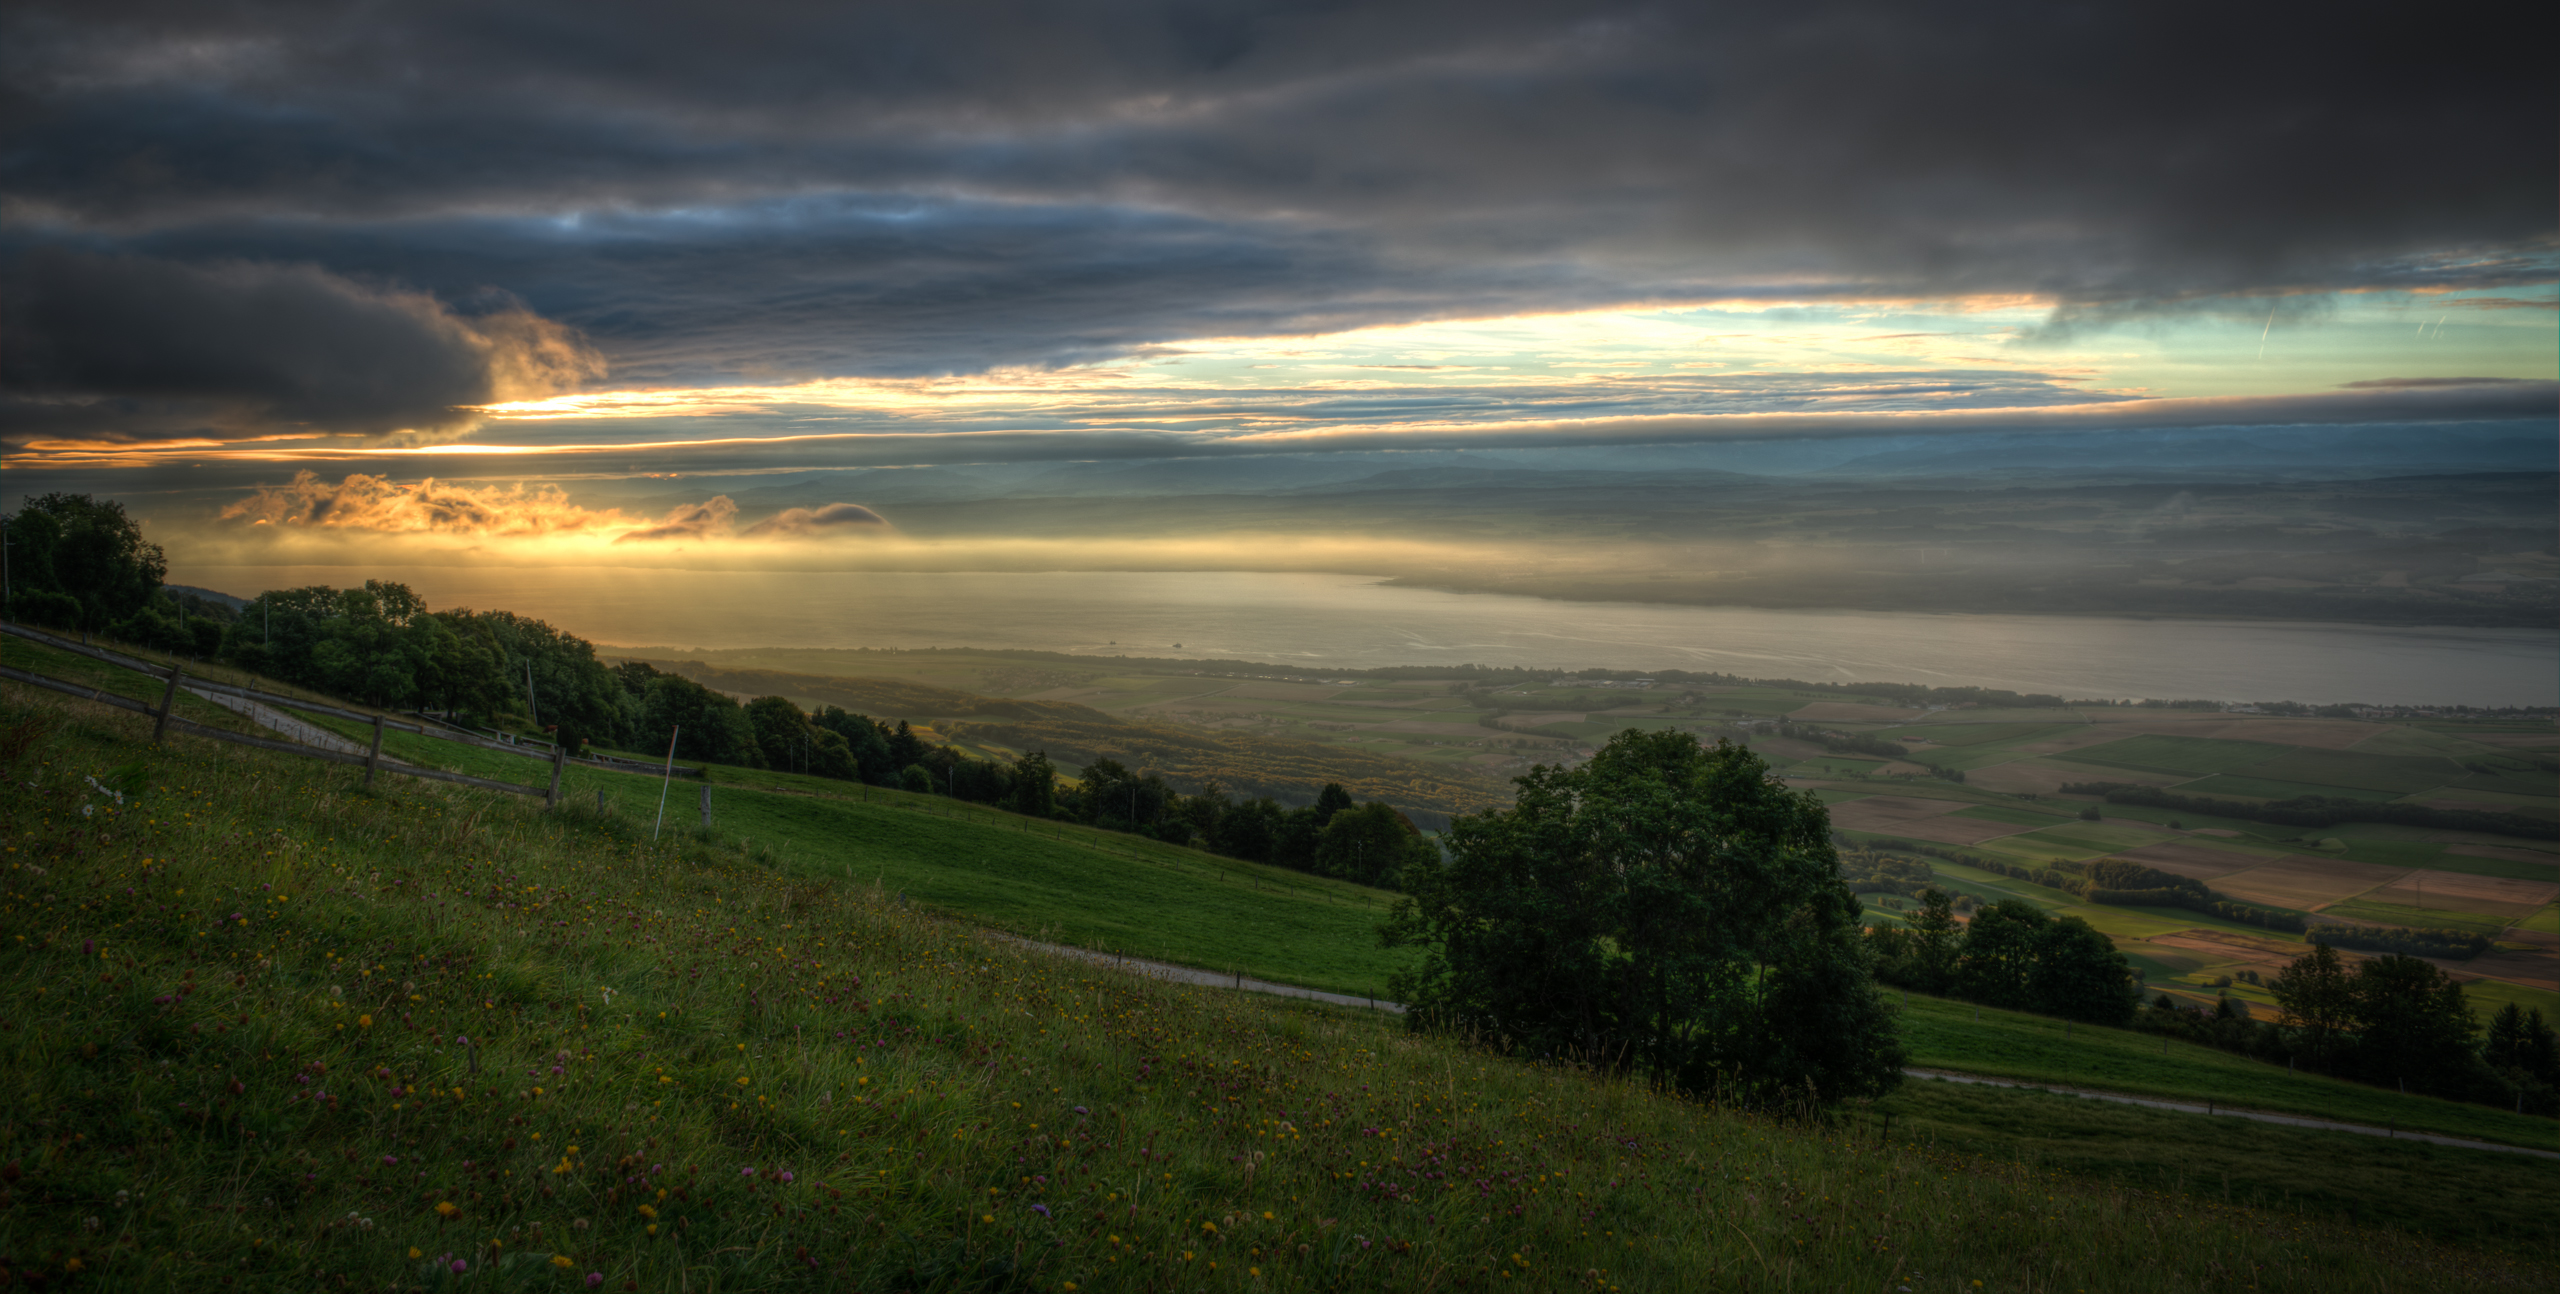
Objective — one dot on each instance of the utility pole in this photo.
(529, 702)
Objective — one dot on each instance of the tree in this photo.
(1933, 942)
(1664, 909)
(865, 744)
(1370, 844)
(2412, 1023)
(2523, 1042)
(1999, 954)
(1035, 785)
(75, 547)
(707, 726)
(2080, 975)
(2317, 1001)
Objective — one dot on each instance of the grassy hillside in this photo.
(1944, 1033)
(237, 1005)
(1256, 764)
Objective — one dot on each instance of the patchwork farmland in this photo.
(2012, 807)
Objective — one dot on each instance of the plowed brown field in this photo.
(2304, 882)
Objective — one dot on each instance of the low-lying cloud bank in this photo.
(374, 505)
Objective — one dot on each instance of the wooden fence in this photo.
(164, 719)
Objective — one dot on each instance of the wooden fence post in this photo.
(706, 803)
(168, 702)
(373, 759)
(559, 763)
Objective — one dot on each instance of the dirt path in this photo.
(2226, 1112)
(1192, 975)
(286, 725)
(1213, 979)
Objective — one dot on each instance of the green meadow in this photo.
(269, 1029)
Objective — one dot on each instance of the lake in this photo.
(1355, 621)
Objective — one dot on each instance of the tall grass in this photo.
(266, 1030)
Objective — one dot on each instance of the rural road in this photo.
(1213, 979)
(2226, 1112)
(286, 725)
(1193, 975)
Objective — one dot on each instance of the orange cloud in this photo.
(430, 507)
(375, 503)
(812, 523)
(710, 519)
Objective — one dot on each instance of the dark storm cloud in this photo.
(131, 348)
(909, 188)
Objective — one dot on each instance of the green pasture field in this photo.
(2243, 787)
(1052, 881)
(2400, 914)
(2013, 816)
(2545, 921)
(1945, 1033)
(2193, 756)
(2410, 739)
(2513, 869)
(2091, 837)
(1834, 766)
(903, 1066)
(2484, 1196)
(2527, 784)
(70, 667)
(1969, 758)
(2486, 996)
(1976, 734)
(2383, 853)
(2543, 805)
(2459, 726)
(2398, 774)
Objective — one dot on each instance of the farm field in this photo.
(1423, 723)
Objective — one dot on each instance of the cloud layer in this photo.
(124, 348)
(774, 189)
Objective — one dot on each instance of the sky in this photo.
(458, 267)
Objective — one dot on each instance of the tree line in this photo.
(2323, 811)
(82, 565)
(2392, 1021)
(2012, 954)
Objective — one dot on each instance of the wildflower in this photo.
(561, 1260)
(446, 1209)
(1041, 1209)
(460, 1266)
(648, 1212)
(1210, 1227)
(594, 1279)
(364, 1022)
(415, 1252)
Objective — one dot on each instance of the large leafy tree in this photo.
(2412, 1023)
(1372, 844)
(1667, 909)
(79, 559)
(2317, 997)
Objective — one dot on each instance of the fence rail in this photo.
(441, 732)
(88, 693)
